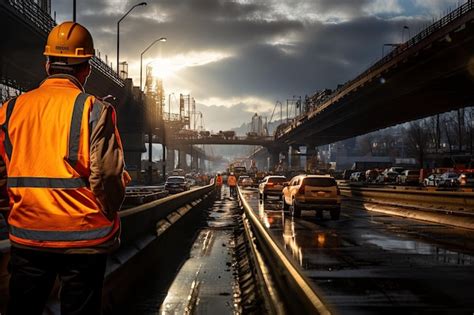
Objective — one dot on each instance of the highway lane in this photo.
(369, 262)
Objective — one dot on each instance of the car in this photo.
(432, 180)
(466, 180)
(397, 169)
(357, 177)
(371, 176)
(409, 177)
(176, 184)
(387, 176)
(448, 179)
(354, 177)
(312, 192)
(271, 186)
(245, 181)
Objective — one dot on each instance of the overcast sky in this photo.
(237, 57)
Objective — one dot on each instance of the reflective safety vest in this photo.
(44, 141)
(219, 180)
(232, 181)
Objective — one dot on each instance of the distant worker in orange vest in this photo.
(65, 180)
(232, 183)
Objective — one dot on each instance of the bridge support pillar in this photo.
(194, 159)
(273, 159)
(311, 159)
(182, 159)
(295, 158)
(170, 159)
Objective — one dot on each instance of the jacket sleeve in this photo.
(107, 178)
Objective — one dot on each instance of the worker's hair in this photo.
(59, 65)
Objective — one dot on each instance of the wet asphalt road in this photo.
(372, 263)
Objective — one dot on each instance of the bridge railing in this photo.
(463, 9)
(42, 21)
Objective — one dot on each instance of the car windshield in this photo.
(175, 180)
(277, 180)
(320, 181)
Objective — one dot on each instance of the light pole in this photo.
(161, 39)
(118, 31)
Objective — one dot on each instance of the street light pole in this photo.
(118, 31)
(161, 39)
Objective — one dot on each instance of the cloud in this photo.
(238, 56)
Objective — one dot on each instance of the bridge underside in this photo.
(437, 79)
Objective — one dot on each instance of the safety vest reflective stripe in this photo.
(7, 142)
(60, 235)
(46, 182)
(75, 129)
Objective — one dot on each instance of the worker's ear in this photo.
(47, 66)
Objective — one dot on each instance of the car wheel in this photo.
(295, 211)
(286, 208)
(335, 214)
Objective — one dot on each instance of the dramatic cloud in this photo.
(236, 57)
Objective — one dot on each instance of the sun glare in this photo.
(167, 67)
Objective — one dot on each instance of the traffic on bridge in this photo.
(236, 157)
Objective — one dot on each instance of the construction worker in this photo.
(232, 183)
(219, 182)
(65, 180)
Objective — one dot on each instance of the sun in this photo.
(163, 68)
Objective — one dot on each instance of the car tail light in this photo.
(269, 184)
(301, 189)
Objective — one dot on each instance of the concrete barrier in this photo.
(448, 199)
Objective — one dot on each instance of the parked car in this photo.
(448, 179)
(432, 180)
(409, 177)
(271, 186)
(397, 169)
(347, 174)
(387, 176)
(245, 181)
(176, 184)
(312, 192)
(466, 180)
(357, 177)
(371, 176)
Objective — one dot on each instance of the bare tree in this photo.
(417, 137)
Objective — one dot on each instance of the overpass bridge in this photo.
(431, 73)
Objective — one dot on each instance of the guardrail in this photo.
(299, 296)
(462, 202)
(144, 220)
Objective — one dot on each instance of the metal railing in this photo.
(33, 13)
(300, 296)
(415, 40)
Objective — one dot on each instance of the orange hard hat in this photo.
(71, 41)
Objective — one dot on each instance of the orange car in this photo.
(312, 192)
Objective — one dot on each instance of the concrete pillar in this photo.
(182, 159)
(311, 158)
(295, 159)
(273, 159)
(170, 160)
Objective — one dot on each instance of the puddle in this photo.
(421, 248)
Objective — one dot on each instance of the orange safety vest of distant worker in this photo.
(219, 180)
(51, 202)
(232, 181)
